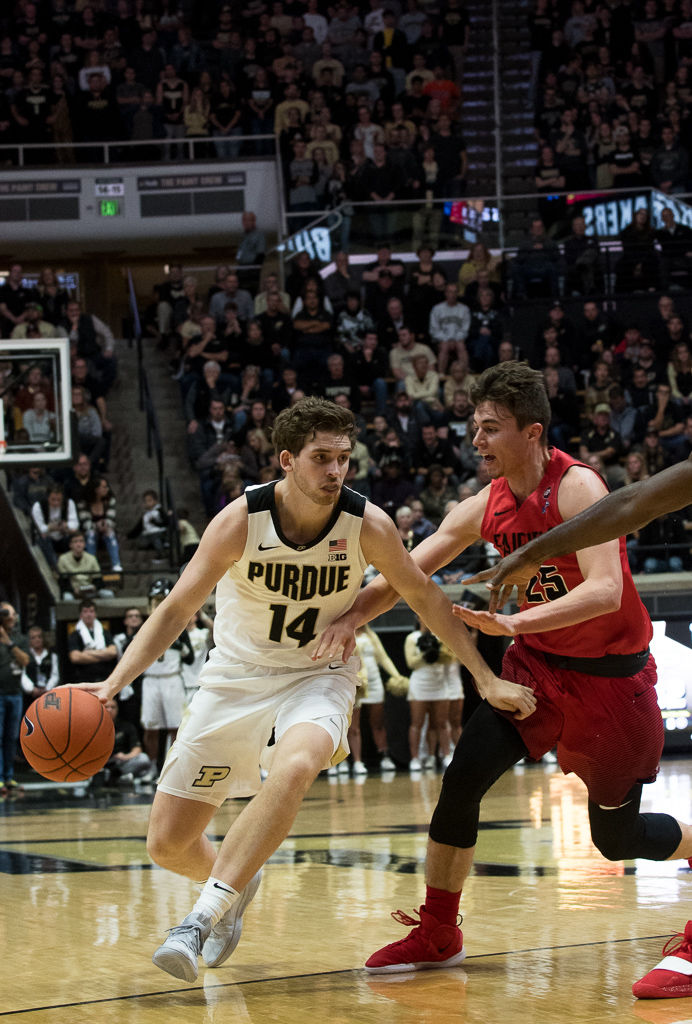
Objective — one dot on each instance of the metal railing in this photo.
(103, 152)
(154, 441)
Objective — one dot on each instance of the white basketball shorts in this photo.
(222, 740)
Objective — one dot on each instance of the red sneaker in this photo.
(672, 977)
(430, 944)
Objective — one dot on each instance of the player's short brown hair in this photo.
(518, 389)
(299, 423)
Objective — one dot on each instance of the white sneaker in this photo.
(343, 768)
(178, 954)
(430, 761)
(415, 765)
(359, 768)
(446, 761)
(550, 757)
(332, 771)
(225, 935)
(386, 764)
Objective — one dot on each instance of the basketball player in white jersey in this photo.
(288, 558)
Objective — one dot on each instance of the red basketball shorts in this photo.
(608, 731)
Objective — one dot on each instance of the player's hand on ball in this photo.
(103, 691)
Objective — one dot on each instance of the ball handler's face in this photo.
(319, 469)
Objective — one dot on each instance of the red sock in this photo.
(442, 904)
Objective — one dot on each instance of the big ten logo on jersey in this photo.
(211, 773)
(337, 551)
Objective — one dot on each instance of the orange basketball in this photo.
(67, 735)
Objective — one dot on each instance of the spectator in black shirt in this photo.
(381, 183)
(202, 347)
(340, 380)
(275, 322)
(203, 390)
(148, 60)
(391, 487)
(91, 650)
(485, 333)
(14, 298)
(434, 450)
(600, 439)
(595, 332)
(675, 241)
(639, 393)
(31, 110)
(639, 94)
(264, 351)
(312, 336)
(582, 261)
(637, 268)
(97, 116)
(564, 411)
(548, 178)
(371, 369)
(549, 114)
(667, 417)
(624, 162)
(670, 164)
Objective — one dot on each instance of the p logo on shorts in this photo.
(211, 773)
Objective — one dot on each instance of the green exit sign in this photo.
(109, 207)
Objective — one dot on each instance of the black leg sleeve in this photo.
(622, 833)
(488, 746)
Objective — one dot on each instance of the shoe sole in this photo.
(247, 897)
(174, 963)
(426, 965)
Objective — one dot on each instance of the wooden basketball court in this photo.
(554, 933)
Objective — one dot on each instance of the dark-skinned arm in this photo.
(615, 515)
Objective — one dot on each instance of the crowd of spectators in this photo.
(611, 87)
(400, 344)
(364, 103)
(72, 512)
(362, 99)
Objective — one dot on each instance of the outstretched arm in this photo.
(383, 548)
(221, 545)
(457, 531)
(615, 515)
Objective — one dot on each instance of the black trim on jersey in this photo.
(262, 499)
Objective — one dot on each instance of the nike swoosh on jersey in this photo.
(267, 547)
(503, 511)
(339, 664)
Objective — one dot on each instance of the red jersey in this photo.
(508, 524)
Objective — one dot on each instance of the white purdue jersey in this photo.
(274, 602)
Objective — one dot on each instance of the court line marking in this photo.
(412, 829)
(320, 974)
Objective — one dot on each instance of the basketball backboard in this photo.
(35, 429)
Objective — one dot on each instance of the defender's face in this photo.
(498, 439)
(319, 469)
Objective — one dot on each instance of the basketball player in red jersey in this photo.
(580, 641)
(617, 514)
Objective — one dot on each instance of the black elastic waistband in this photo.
(609, 665)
